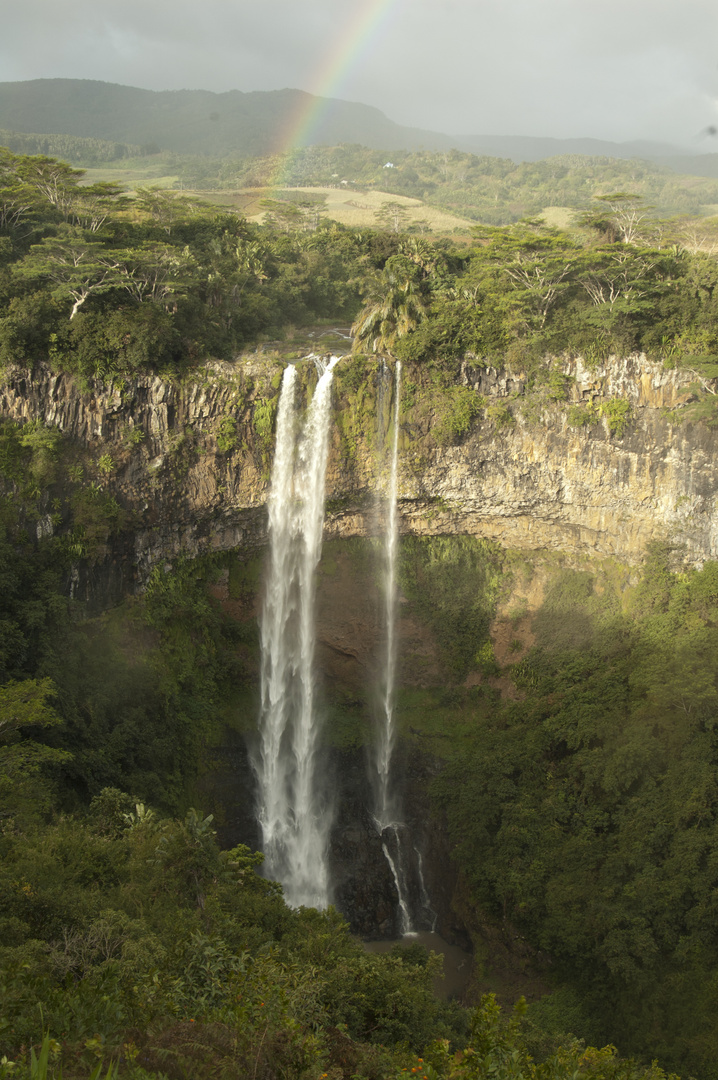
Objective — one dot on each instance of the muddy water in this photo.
(457, 962)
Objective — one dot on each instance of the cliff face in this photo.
(190, 462)
(581, 490)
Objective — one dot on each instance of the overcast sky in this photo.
(615, 69)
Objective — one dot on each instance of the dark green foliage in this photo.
(124, 926)
(26, 328)
(452, 583)
(585, 812)
(140, 690)
(97, 291)
(143, 338)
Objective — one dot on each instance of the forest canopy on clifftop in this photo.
(101, 284)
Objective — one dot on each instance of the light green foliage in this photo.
(618, 415)
(392, 216)
(494, 190)
(485, 660)
(396, 305)
(431, 400)
(556, 385)
(357, 417)
(44, 443)
(352, 373)
(500, 414)
(456, 407)
(227, 434)
(582, 415)
(74, 262)
(132, 436)
(263, 420)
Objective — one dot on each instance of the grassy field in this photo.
(559, 217)
(345, 205)
(132, 175)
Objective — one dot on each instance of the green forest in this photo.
(495, 191)
(582, 807)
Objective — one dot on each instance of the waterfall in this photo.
(386, 804)
(428, 912)
(387, 734)
(404, 858)
(291, 814)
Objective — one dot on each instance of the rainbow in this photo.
(352, 45)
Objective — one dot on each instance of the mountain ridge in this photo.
(260, 122)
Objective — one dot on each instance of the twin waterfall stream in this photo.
(294, 808)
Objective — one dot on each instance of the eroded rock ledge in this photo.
(530, 480)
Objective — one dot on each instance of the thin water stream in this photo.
(293, 810)
(402, 856)
(385, 810)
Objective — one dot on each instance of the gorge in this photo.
(428, 633)
(508, 645)
(520, 477)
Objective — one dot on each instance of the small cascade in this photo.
(430, 918)
(293, 818)
(390, 838)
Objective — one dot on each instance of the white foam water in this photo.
(292, 815)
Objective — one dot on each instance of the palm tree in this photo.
(394, 308)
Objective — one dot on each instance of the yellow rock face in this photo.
(534, 482)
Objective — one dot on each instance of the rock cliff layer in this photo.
(190, 461)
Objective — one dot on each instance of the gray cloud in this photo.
(616, 69)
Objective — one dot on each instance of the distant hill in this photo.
(198, 121)
(530, 148)
(236, 124)
(68, 147)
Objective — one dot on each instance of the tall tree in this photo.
(394, 308)
(77, 267)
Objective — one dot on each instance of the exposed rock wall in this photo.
(545, 484)
(531, 481)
